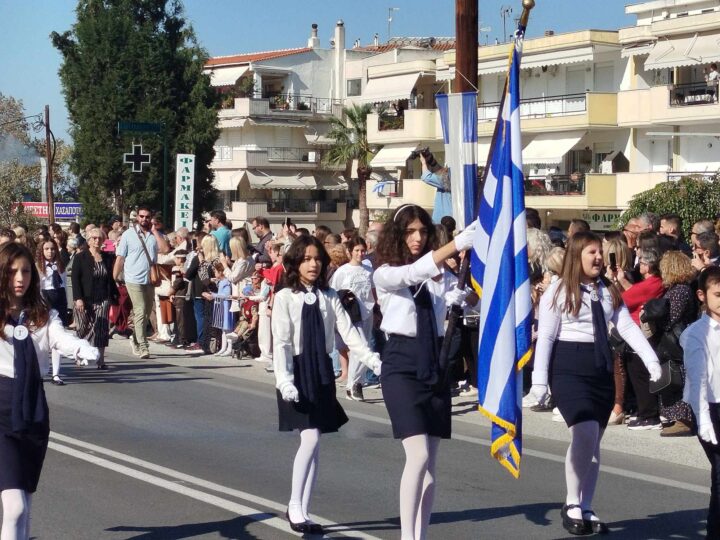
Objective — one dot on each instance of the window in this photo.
(223, 153)
(354, 87)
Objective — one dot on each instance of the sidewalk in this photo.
(679, 450)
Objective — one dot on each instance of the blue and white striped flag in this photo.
(458, 115)
(499, 269)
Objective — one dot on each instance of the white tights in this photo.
(16, 514)
(304, 475)
(417, 486)
(582, 464)
(55, 357)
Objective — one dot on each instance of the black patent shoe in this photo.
(596, 526)
(573, 525)
(315, 528)
(302, 527)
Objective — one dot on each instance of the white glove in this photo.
(707, 433)
(86, 352)
(377, 367)
(455, 296)
(290, 393)
(464, 240)
(655, 371)
(540, 392)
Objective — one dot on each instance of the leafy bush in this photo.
(690, 198)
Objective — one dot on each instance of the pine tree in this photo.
(135, 60)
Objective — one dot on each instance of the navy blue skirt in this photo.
(415, 408)
(21, 454)
(581, 390)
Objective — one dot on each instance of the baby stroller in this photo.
(246, 331)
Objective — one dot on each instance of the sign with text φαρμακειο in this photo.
(601, 220)
(184, 190)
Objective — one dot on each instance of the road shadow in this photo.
(682, 524)
(235, 528)
(126, 373)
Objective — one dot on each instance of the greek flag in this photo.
(499, 270)
(458, 115)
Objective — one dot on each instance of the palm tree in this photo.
(351, 144)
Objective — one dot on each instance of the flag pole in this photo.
(456, 311)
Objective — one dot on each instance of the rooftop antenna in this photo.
(390, 19)
(484, 30)
(505, 12)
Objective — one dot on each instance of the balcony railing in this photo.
(298, 102)
(299, 206)
(388, 122)
(280, 153)
(673, 176)
(539, 107)
(557, 184)
(697, 93)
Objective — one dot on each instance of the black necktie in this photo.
(603, 356)
(28, 396)
(428, 362)
(313, 367)
(56, 279)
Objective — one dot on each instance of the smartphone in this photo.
(613, 262)
(193, 244)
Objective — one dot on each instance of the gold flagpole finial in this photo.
(527, 6)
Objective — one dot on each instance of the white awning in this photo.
(392, 156)
(270, 122)
(483, 150)
(227, 180)
(552, 58)
(388, 88)
(280, 179)
(227, 76)
(331, 182)
(687, 51)
(549, 148)
(637, 49)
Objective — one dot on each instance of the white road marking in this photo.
(253, 514)
(626, 473)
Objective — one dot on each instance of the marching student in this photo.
(573, 356)
(701, 346)
(413, 291)
(30, 331)
(305, 315)
(52, 283)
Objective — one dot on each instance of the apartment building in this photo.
(605, 114)
(277, 106)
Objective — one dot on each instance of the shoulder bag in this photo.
(155, 277)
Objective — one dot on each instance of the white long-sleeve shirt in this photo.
(287, 331)
(240, 269)
(701, 355)
(46, 279)
(396, 302)
(555, 324)
(51, 336)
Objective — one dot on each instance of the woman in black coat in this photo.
(94, 289)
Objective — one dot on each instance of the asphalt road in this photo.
(182, 447)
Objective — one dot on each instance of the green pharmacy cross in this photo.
(136, 158)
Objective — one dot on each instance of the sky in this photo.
(29, 64)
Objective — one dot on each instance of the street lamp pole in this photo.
(49, 159)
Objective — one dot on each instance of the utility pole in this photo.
(466, 60)
(49, 159)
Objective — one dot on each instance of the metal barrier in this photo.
(696, 93)
(539, 107)
(556, 184)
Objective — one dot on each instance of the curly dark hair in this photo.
(391, 248)
(37, 309)
(295, 255)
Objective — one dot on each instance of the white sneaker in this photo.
(470, 391)
(529, 401)
(557, 417)
(135, 348)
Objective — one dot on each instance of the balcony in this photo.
(415, 125)
(600, 191)
(298, 210)
(276, 157)
(556, 113)
(282, 106)
(669, 105)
